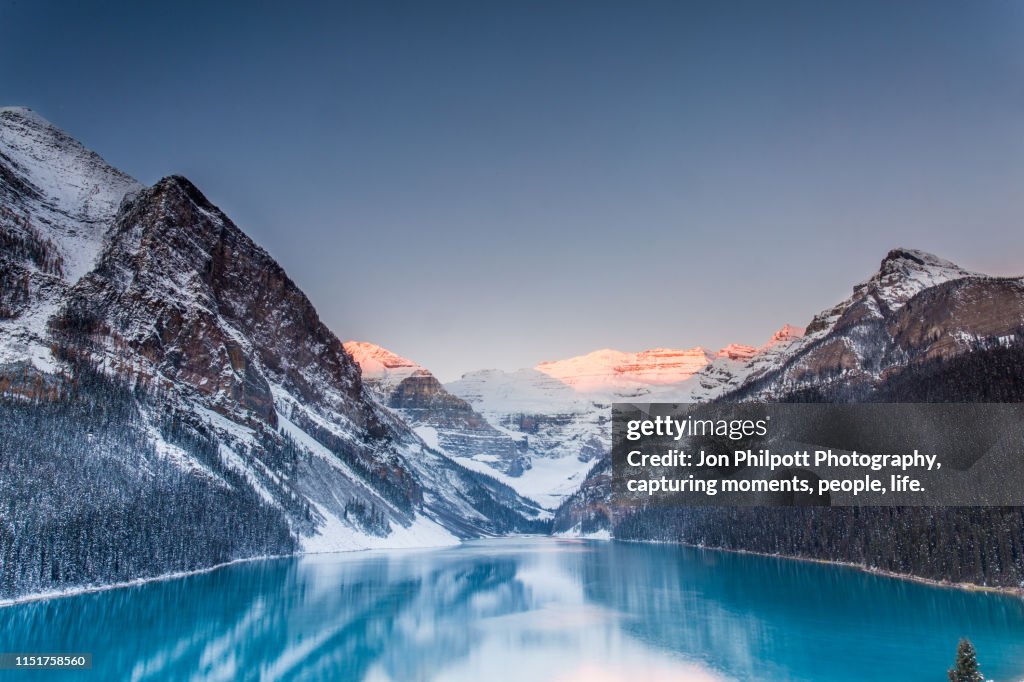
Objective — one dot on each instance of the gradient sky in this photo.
(492, 184)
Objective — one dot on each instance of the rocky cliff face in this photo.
(180, 297)
(198, 303)
(159, 289)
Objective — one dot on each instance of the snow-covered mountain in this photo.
(558, 413)
(441, 419)
(561, 410)
(916, 307)
(917, 310)
(562, 430)
(382, 370)
(156, 288)
(177, 370)
(903, 274)
(612, 371)
(541, 430)
(530, 431)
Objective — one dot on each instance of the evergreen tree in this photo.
(966, 668)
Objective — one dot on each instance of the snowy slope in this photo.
(56, 200)
(72, 193)
(734, 365)
(563, 431)
(903, 274)
(793, 352)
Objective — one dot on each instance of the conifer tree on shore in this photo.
(966, 667)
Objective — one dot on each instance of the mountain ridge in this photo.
(915, 309)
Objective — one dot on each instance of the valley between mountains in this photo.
(171, 400)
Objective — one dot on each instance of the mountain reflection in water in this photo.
(515, 609)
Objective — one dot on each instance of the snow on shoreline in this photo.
(176, 575)
(575, 534)
(335, 536)
(90, 589)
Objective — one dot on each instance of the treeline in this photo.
(497, 502)
(983, 545)
(21, 241)
(86, 499)
(502, 518)
(588, 509)
(992, 373)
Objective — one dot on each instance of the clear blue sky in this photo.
(492, 184)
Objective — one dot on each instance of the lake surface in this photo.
(523, 609)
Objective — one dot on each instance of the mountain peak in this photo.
(180, 182)
(67, 175)
(374, 359)
(904, 273)
(608, 369)
(786, 333)
(24, 116)
(904, 260)
(60, 192)
(23, 113)
(381, 368)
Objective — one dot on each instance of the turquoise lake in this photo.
(523, 609)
